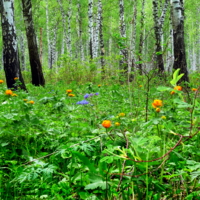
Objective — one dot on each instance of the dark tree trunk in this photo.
(177, 14)
(36, 67)
(10, 49)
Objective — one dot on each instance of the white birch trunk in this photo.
(91, 29)
(177, 13)
(64, 26)
(69, 42)
(48, 34)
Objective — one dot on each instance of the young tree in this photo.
(177, 15)
(91, 29)
(10, 49)
(36, 67)
(141, 38)
(123, 49)
(158, 29)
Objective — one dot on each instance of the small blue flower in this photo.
(86, 96)
(97, 93)
(83, 102)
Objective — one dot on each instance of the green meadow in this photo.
(56, 144)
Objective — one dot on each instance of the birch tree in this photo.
(158, 29)
(141, 38)
(79, 30)
(36, 67)
(177, 15)
(101, 38)
(123, 49)
(91, 29)
(10, 48)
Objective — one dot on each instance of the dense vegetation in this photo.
(56, 144)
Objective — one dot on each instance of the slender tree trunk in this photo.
(48, 34)
(123, 50)
(177, 14)
(36, 67)
(63, 23)
(91, 29)
(10, 49)
(141, 39)
(158, 35)
(79, 30)
(133, 41)
(101, 38)
(69, 42)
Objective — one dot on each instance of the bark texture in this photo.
(36, 67)
(177, 14)
(10, 49)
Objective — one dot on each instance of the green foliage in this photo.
(58, 149)
(176, 77)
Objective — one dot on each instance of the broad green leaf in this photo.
(99, 184)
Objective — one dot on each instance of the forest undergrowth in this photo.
(98, 140)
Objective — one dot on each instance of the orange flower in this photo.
(121, 114)
(14, 95)
(194, 89)
(1, 81)
(117, 124)
(99, 85)
(140, 85)
(179, 88)
(172, 92)
(16, 78)
(31, 102)
(8, 92)
(25, 100)
(157, 103)
(157, 109)
(69, 91)
(106, 123)
(71, 95)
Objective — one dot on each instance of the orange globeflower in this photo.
(194, 89)
(1, 81)
(69, 91)
(8, 92)
(157, 103)
(106, 123)
(16, 78)
(117, 124)
(157, 109)
(179, 88)
(31, 102)
(121, 114)
(99, 85)
(71, 95)
(172, 92)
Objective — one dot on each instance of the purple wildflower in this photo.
(83, 102)
(97, 93)
(86, 96)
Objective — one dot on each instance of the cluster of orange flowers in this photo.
(1, 81)
(179, 88)
(157, 103)
(10, 93)
(31, 101)
(69, 93)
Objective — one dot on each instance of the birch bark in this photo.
(177, 14)
(91, 29)
(10, 50)
(123, 49)
(36, 67)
